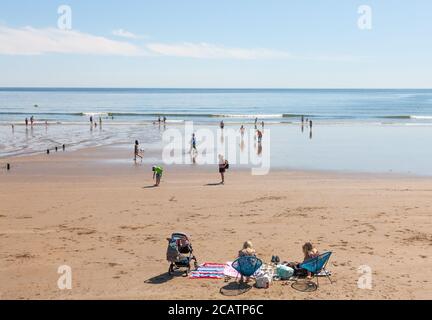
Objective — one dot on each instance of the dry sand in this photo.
(100, 219)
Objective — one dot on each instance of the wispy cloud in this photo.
(211, 51)
(125, 34)
(32, 41)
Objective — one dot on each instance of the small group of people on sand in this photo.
(157, 170)
(308, 250)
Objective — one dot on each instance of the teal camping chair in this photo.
(246, 266)
(317, 265)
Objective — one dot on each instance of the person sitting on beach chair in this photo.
(247, 251)
(309, 252)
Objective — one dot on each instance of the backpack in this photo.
(284, 272)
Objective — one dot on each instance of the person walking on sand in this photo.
(137, 152)
(223, 165)
(31, 120)
(91, 120)
(262, 125)
(222, 125)
(157, 173)
(26, 122)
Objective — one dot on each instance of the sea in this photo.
(358, 130)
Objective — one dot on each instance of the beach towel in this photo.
(208, 270)
(229, 271)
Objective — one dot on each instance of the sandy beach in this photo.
(104, 220)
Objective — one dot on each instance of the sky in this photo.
(216, 44)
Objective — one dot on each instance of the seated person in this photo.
(247, 250)
(309, 252)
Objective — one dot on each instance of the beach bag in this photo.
(284, 272)
(172, 252)
(227, 165)
(263, 281)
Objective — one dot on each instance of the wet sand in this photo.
(105, 220)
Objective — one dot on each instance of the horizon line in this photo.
(216, 88)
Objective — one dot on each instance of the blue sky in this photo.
(237, 43)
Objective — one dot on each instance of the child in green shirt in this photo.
(157, 172)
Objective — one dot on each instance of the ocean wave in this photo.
(418, 117)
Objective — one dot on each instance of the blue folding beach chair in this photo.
(317, 265)
(246, 266)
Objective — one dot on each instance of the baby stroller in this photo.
(180, 253)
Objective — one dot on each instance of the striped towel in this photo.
(229, 271)
(208, 270)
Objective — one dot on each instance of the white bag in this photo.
(263, 281)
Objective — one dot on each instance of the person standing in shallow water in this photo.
(193, 144)
(222, 125)
(137, 152)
